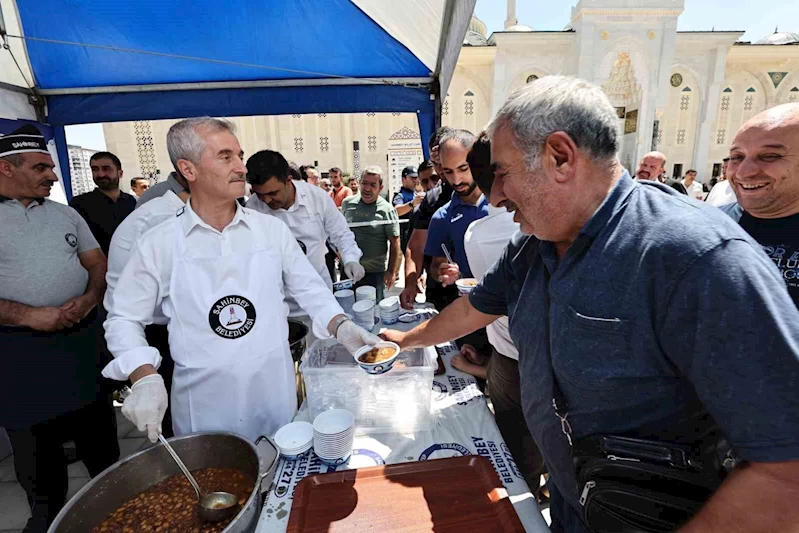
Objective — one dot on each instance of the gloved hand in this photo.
(354, 271)
(146, 405)
(353, 337)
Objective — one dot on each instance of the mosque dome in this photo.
(519, 28)
(782, 37)
(476, 34)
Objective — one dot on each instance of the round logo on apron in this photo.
(232, 317)
(71, 239)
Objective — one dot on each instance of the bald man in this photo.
(764, 174)
(652, 167)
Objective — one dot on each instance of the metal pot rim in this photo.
(256, 490)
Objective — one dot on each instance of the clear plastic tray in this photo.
(397, 401)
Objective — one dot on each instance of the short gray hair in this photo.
(560, 103)
(465, 138)
(373, 169)
(183, 141)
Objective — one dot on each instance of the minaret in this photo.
(511, 19)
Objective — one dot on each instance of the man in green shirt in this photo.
(376, 229)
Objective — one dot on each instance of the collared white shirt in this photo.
(694, 190)
(313, 203)
(721, 194)
(144, 285)
(484, 241)
(128, 234)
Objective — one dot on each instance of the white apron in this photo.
(311, 232)
(229, 339)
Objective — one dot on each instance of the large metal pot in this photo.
(135, 474)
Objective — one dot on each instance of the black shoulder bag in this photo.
(632, 485)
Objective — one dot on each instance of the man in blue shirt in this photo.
(405, 200)
(652, 326)
(449, 224)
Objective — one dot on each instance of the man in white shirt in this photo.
(307, 210)
(693, 187)
(219, 273)
(484, 241)
(722, 193)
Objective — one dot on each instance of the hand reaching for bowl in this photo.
(353, 337)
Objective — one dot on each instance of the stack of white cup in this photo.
(345, 299)
(363, 313)
(367, 292)
(389, 310)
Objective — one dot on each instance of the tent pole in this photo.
(60, 138)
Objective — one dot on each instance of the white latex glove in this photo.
(353, 337)
(354, 271)
(146, 405)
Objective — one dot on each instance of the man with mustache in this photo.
(764, 174)
(627, 328)
(52, 277)
(219, 273)
(107, 206)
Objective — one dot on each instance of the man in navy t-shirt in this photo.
(449, 224)
(651, 326)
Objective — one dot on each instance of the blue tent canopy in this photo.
(100, 61)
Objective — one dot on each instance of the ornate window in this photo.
(680, 136)
(370, 114)
(322, 115)
(794, 94)
(721, 135)
(144, 147)
(748, 103)
(660, 132)
(395, 114)
(685, 102)
(296, 115)
(725, 103)
(324, 144)
(298, 145)
(371, 143)
(445, 109)
(468, 107)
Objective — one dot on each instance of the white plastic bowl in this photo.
(466, 285)
(381, 367)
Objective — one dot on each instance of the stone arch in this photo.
(697, 84)
(481, 88)
(520, 78)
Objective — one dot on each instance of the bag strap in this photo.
(559, 402)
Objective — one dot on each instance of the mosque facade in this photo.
(682, 93)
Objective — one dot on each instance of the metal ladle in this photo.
(212, 507)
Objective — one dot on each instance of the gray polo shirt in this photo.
(160, 189)
(39, 248)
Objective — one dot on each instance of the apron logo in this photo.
(303, 247)
(232, 317)
(71, 239)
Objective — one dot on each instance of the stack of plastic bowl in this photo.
(389, 310)
(333, 434)
(294, 440)
(367, 292)
(363, 313)
(342, 285)
(345, 299)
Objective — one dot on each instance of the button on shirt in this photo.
(653, 322)
(103, 214)
(145, 282)
(128, 234)
(39, 247)
(449, 225)
(485, 241)
(314, 211)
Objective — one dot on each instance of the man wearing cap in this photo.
(107, 206)
(405, 200)
(52, 276)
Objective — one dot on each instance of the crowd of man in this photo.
(608, 306)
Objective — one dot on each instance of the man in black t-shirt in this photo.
(764, 175)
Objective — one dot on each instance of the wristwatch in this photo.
(337, 324)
